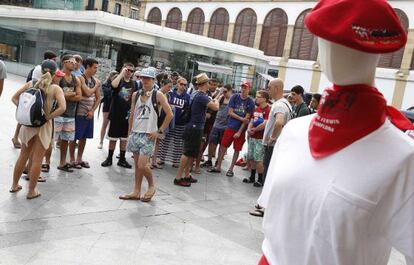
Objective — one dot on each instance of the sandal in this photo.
(40, 179)
(19, 188)
(31, 197)
(45, 168)
(84, 164)
(229, 173)
(148, 196)
(129, 197)
(214, 170)
(65, 168)
(76, 165)
(257, 212)
(175, 166)
(160, 163)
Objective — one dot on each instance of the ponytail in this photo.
(44, 84)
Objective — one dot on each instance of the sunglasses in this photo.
(131, 71)
(69, 61)
(138, 76)
(183, 84)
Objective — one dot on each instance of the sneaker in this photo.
(123, 163)
(100, 145)
(107, 162)
(182, 182)
(208, 163)
(190, 179)
(248, 180)
(258, 184)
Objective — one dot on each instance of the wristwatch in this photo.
(160, 131)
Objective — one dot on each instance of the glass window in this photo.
(195, 22)
(245, 28)
(174, 19)
(154, 16)
(274, 33)
(219, 24)
(304, 44)
(117, 9)
(134, 13)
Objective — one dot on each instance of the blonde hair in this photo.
(44, 84)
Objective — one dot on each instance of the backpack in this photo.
(291, 113)
(30, 109)
(29, 75)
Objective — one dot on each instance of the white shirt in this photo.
(145, 117)
(280, 106)
(349, 208)
(37, 72)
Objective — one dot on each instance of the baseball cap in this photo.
(59, 73)
(148, 72)
(49, 66)
(246, 84)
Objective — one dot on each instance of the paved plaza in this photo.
(80, 220)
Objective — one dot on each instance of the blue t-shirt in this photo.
(241, 107)
(198, 111)
(178, 102)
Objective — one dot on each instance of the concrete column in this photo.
(282, 70)
(206, 28)
(163, 22)
(142, 9)
(183, 25)
(402, 75)
(288, 42)
(316, 80)
(230, 32)
(258, 37)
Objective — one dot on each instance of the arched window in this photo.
(245, 28)
(154, 16)
(219, 24)
(174, 19)
(274, 33)
(304, 44)
(393, 60)
(195, 22)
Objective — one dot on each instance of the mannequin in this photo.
(340, 187)
(345, 66)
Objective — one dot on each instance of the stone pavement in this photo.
(80, 220)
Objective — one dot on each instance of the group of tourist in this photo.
(160, 118)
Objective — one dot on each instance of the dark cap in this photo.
(49, 66)
(175, 74)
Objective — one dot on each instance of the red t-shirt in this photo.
(260, 114)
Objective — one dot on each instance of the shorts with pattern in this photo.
(64, 128)
(140, 143)
(255, 151)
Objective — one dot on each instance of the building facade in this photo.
(241, 39)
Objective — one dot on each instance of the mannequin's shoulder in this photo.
(299, 124)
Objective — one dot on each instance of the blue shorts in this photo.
(83, 128)
(216, 135)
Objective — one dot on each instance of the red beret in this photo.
(366, 25)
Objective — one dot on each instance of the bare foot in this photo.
(15, 189)
(133, 196)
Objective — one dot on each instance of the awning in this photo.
(267, 77)
(214, 68)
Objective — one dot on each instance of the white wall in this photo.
(324, 83)
(408, 100)
(298, 73)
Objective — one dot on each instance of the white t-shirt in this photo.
(280, 106)
(349, 208)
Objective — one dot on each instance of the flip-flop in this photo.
(257, 213)
(84, 164)
(45, 168)
(128, 197)
(34, 196)
(40, 179)
(175, 166)
(229, 173)
(147, 197)
(65, 168)
(19, 188)
(214, 170)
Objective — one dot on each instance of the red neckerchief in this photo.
(263, 261)
(348, 113)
